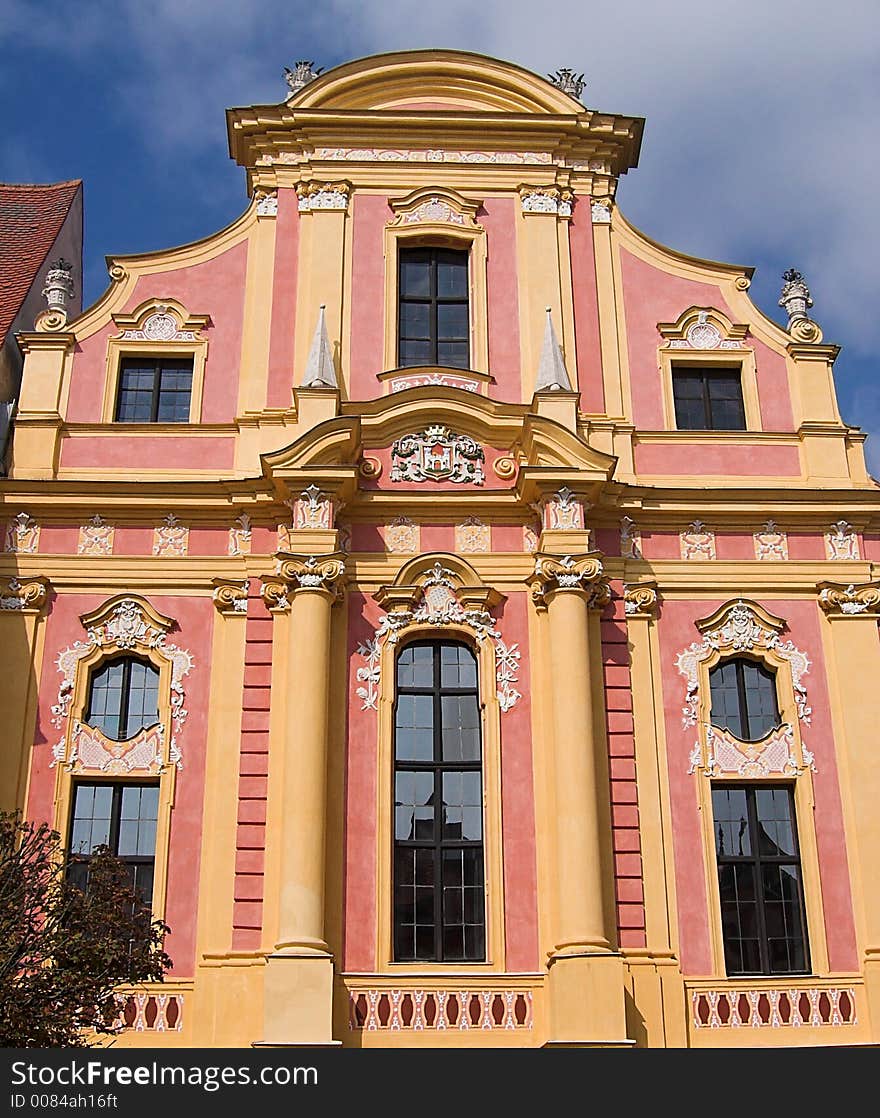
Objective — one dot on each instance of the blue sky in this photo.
(760, 145)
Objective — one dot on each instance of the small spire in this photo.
(320, 371)
(552, 373)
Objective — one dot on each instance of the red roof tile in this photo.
(31, 217)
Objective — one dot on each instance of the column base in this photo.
(298, 1001)
(585, 995)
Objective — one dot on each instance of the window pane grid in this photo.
(708, 399)
(439, 899)
(433, 308)
(154, 390)
(123, 698)
(743, 699)
(759, 873)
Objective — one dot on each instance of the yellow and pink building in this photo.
(460, 610)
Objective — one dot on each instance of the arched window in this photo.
(433, 316)
(439, 904)
(123, 697)
(744, 699)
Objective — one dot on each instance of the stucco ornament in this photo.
(323, 196)
(630, 539)
(441, 380)
(312, 572)
(96, 537)
(697, 541)
(564, 511)
(22, 535)
(546, 200)
(796, 300)
(582, 573)
(849, 600)
(639, 599)
(125, 626)
(841, 542)
(314, 509)
(438, 605)
(230, 597)
(422, 155)
(59, 286)
(267, 203)
(24, 593)
(736, 628)
(437, 454)
(600, 211)
(171, 537)
(569, 82)
(240, 536)
(402, 536)
(160, 326)
(770, 543)
(703, 334)
(435, 209)
(472, 535)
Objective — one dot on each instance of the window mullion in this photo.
(115, 813)
(123, 700)
(743, 701)
(707, 406)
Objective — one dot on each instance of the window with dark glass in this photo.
(154, 390)
(743, 696)
(122, 817)
(708, 399)
(433, 317)
(759, 876)
(439, 904)
(123, 697)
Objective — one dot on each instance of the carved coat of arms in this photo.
(437, 454)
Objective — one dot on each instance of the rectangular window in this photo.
(433, 313)
(154, 390)
(122, 817)
(759, 876)
(708, 399)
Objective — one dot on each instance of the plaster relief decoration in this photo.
(697, 541)
(437, 454)
(770, 543)
(240, 535)
(160, 321)
(402, 537)
(22, 535)
(314, 509)
(531, 537)
(314, 196)
(412, 155)
(434, 210)
(438, 604)
(630, 539)
(170, 538)
(564, 511)
(230, 597)
(441, 380)
(849, 600)
(744, 627)
(472, 535)
(762, 1007)
(600, 211)
(96, 537)
(267, 203)
(546, 200)
(841, 542)
(703, 328)
(18, 594)
(420, 1009)
(639, 599)
(121, 625)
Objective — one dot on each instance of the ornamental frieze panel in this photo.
(170, 538)
(440, 380)
(402, 536)
(770, 542)
(777, 754)
(124, 624)
(841, 542)
(473, 536)
(697, 541)
(22, 535)
(316, 196)
(546, 200)
(240, 536)
(438, 454)
(563, 510)
(96, 537)
(92, 752)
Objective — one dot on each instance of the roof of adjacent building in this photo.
(31, 217)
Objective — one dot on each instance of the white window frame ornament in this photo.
(438, 596)
(742, 626)
(123, 623)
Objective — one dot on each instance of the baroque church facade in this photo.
(455, 606)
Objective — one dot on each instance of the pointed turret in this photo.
(320, 371)
(552, 373)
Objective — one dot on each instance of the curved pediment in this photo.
(434, 80)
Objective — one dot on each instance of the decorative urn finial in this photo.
(569, 82)
(59, 285)
(300, 76)
(795, 296)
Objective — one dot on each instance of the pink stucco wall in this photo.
(586, 309)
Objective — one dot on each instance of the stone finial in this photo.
(320, 371)
(552, 373)
(59, 285)
(569, 82)
(300, 76)
(795, 295)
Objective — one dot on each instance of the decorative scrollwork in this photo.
(849, 600)
(582, 573)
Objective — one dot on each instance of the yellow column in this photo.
(21, 636)
(852, 643)
(585, 980)
(299, 973)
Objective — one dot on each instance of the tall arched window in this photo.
(123, 697)
(439, 903)
(744, 699)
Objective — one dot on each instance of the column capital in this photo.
(640, 599)
(838, 600)
(25, 594)
(582, 574)
(230, 596)
(302, 573)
